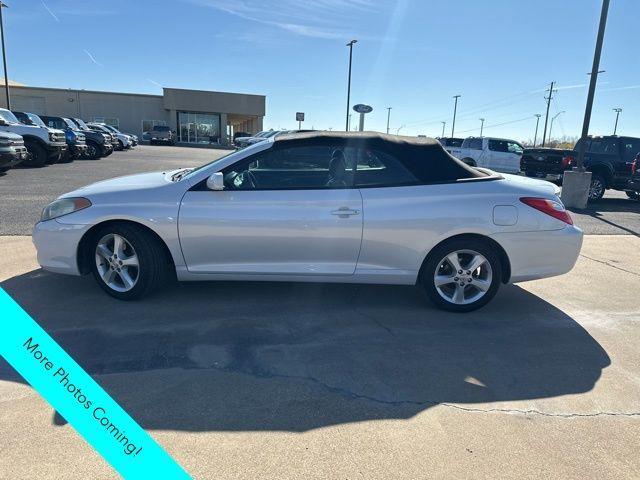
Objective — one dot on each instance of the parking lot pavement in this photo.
(24, 192)
(281, 380)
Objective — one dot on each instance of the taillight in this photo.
(550, 207)
(567, 160)
(634, 165)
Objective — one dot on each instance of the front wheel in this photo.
(633, 195)
(597, 187)
(93, 151)
(128, 262)
(38, 155)
(462, 275)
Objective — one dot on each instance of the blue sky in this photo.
(412, 55)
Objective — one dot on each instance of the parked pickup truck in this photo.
(44, 144)
(161, 133)
(497, 154)
(76, 140)
(12, 151)
(611, 160)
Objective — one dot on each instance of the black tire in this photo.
(106, 153)
(470, 161)
(154, 267)
(38, 157)
(66, 157)
(434, 261)
(632, 195)
(94, 152)
(120, 145)
(597, 187)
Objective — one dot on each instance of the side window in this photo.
(514, 147)
(631, 149)
(498, 145)
(473, 143)
(611, 146)
(293, 168)
(375, 168)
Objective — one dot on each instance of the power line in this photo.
(497, 124)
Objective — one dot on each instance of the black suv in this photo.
(610, 159)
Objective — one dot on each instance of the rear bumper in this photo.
(541, 254)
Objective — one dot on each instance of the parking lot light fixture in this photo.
(615, 127)
(553, 120)
(481, 126)
(455, 110)
(535, 135)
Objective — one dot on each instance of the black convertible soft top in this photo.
(424, 156)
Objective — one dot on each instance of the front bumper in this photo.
(541, 254)
(14, 157)
(78, 150)
(57, 245)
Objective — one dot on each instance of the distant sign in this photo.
(362, 108)
(299, 116)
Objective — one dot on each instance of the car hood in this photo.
(11, 136)
(139, 181)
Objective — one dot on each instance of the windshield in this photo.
(160, 128)
(36, 119)
(81, 123)
(70, 124)
(240, 153)
(8, 116)
(271, 133)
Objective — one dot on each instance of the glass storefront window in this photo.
(201, 128)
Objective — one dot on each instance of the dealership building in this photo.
(198, 117)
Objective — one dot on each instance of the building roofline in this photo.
(80, 90)
(215, 91)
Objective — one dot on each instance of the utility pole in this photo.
(398, 129)
(4, 57)
(546, 118)
(444, 124)
(388, 117)
(350, 45)
(552, 120)
(576, 183)
(455, 109)
(535, 135)
(481, 126)
(615, 128)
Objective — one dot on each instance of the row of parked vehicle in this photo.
(31, 140)
(614, 161)
(242, 139)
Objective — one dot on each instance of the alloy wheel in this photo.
(463, 277)
(596, 189)
(117, 262)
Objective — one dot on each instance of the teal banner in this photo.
(79, 399)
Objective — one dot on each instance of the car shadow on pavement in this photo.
(237, 356)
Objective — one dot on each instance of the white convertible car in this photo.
(318, 207)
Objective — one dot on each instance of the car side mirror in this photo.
(216, 181)
(2, 121)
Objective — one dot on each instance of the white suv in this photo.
(499, 154)
(46, 145)
(124, 141)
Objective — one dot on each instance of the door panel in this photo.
(296, 232)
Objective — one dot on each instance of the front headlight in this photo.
(64, 206)
(52, 137)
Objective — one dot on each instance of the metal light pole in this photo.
(546, 118)
(455, 109)
(592, 83)
(552, 120)
(399, 128)
(4, 57)
(576, 183)
(444, 124)
(350, 45)
(535, 135)
(388, 118)
(615, 128)
(481, 126)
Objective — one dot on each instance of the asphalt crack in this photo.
(610, 265)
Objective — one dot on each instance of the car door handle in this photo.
(344, 212)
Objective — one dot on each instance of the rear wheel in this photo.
(462, 275)
(128, 262)
(597, 187)
(633, 195)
